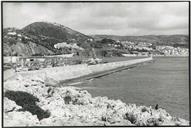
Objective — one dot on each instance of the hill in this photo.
(39, 38)
(180, 40)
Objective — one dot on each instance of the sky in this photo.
(154, 18)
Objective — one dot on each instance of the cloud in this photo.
(103, 18)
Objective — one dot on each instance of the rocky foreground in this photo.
(34, 102)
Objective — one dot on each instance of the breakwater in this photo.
(67, 73)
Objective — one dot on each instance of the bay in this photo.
(164, 82)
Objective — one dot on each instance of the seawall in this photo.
(66, 73)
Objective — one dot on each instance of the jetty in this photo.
(83, 71)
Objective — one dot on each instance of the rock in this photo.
(50, 82)
(10, 105)
(20, 119)
(70, 106)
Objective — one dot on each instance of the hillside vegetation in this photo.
(179, 40)
(39, 38)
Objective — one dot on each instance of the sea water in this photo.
(164, 82)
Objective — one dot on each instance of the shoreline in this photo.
(52, 103)
(65, 73)
(38, 104)
(72, 72)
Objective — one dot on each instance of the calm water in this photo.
(164, 82)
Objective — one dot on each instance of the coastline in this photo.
(38, 104)
(54, 104)
(65, 73)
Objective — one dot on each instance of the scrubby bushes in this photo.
(63, 106)
(28, 103)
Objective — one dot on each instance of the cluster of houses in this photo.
(172, 51)
(13, 34)
(117, 44)
(138, 45)
(145, 49)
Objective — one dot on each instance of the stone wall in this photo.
(75, 71)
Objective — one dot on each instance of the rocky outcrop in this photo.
(69, 106)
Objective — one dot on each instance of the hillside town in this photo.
(144, 48)
(14, 38)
